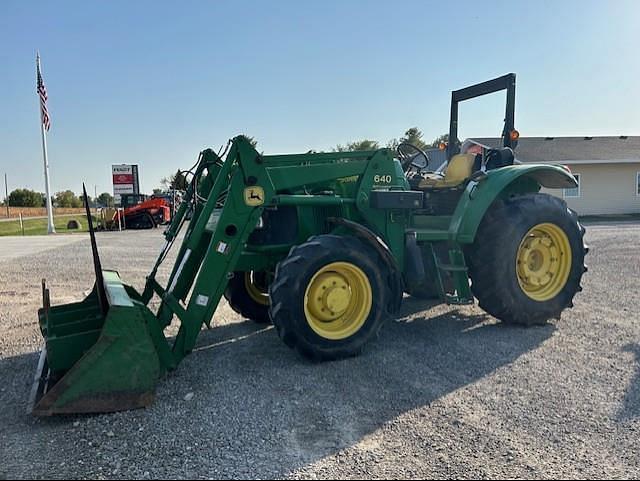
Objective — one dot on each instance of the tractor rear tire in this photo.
(330, 297)
(527, 260)
(247, 297)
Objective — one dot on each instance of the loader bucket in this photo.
(98, 354)
(93, 362)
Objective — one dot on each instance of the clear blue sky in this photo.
(155, 82)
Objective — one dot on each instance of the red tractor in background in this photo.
(143, 212)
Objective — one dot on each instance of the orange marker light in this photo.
(442, 146)
(514, 134)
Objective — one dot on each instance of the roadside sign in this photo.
(125, 180)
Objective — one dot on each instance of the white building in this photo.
(607, 170)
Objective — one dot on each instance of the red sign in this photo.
(123, 179)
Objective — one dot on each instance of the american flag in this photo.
(42, 93)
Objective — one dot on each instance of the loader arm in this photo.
(109, 358)
(234, 194)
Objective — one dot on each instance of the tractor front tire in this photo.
(247, 295)
(527, 260)
(330, 297)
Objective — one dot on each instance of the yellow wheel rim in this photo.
(256, 292)
(338, 300)
(543, 262)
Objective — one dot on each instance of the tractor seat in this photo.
(459, 168)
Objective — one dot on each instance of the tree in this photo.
(441, 139)
(165, 182)
(105, 199)
(393, 144)
(364, 144)
(25, 198)
(177, 181)
(67, 199)
(414, 137)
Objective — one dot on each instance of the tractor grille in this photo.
(321, 214)
(279, 226)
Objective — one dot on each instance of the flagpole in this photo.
(6, 192)
(50, 226)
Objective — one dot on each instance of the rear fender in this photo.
(499, 183)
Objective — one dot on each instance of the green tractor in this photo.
(324, 246)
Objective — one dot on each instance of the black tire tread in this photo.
(504, 221)
(288, 286)
(241, 302)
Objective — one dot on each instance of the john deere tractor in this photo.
(324, 246)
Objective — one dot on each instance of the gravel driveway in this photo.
(445, 392)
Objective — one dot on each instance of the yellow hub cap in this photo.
(543, 262)
(256, 291)
(338, 300)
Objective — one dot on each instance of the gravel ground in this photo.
(13, 247)
(445, 391)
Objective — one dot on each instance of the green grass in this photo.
(39, 226)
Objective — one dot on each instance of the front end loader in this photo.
(324, 245)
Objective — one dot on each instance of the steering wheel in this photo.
(408, 160)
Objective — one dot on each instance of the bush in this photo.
(67, 199)
(25, 198)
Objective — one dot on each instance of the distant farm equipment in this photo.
(138, 211)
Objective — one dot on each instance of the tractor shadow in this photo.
(631, 403)
(261, 410)
(316, 410)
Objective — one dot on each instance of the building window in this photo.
(637, 183)
(575, 192)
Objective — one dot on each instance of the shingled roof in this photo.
(574, 150)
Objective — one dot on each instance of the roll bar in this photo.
(506, 82)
